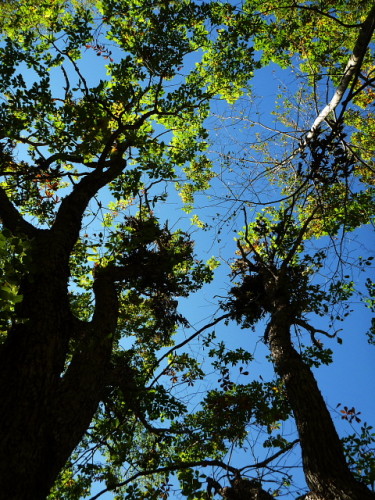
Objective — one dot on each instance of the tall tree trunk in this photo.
(46, 405)
(46, 410)
(325, 468)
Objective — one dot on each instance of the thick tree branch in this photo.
(83, 384)
(312, 331)
(74, 158)
(69, 217)
(106, 301)
(352, 69)
(11, 219)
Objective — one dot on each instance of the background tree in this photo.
(323, 181)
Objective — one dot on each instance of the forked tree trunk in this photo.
(44, 409)
(53, 367)
(326, 471)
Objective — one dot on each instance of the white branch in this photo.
(351, 69)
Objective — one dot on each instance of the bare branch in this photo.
(186, 341)
(270, 459)
(312, 331)
(253, 249)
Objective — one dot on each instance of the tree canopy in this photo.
(108, 109)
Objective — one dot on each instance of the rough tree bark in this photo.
(326, 471)
(46, 405)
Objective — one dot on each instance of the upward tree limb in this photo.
(292, 252)
(82, 384)
(12, 219)
(69, 217)
(191, 337)
(352, 68)
(325, 14)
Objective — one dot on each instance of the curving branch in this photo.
(45, 163)
(351, 72)
(168, 468)
(325, 14)
(270, 459)
(11, 218)
(292, 252)
(69, 216)
(313, 331)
